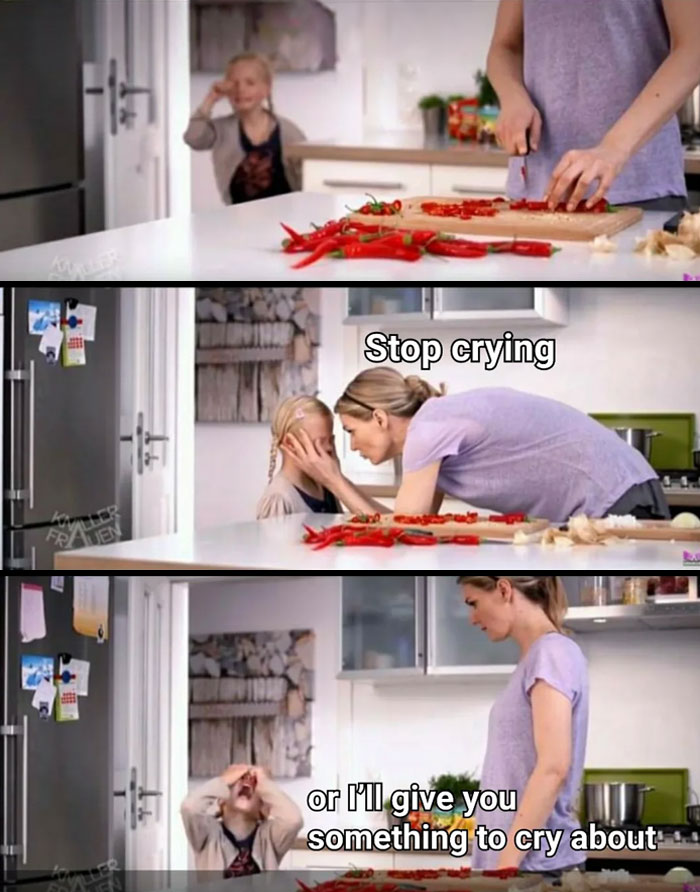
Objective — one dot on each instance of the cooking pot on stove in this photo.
(615, 804)
(689, 113)
(638, 437)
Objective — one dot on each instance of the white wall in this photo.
(643, 696)
(231, 460)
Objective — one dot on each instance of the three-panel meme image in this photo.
(312, 311)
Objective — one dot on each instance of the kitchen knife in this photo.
(523, 165)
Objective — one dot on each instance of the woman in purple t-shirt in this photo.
(596, 86)
(538, 725)
(492, 447)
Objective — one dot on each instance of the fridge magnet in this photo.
(42, 314)
(88, 314)
(57, 583)
(32, 620)
(77, 669)
(43, 699)
(50, 343)
(34, 670)
(91, 606)
(73, 352)
(66, 701)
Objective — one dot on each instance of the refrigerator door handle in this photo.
(25, 787)
(31, 435)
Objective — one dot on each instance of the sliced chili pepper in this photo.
(503, 873)
(462, 540)
(507, 518)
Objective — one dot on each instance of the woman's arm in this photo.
(418, 491)
(325, 469)
(552, 723)
(504, 66)
(660, 99)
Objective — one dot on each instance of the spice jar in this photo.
(595, 591)
(635, 590)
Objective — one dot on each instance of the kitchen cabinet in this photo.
(471, 304)
(481, 305)
(383, 626)
(387, 302)
(464, 180)
(385, 180)
(455, 646)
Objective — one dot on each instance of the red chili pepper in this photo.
(503, 873)
(295, 236)
(326, 246)
(417, 539)
(396, 205)
(463, 540)
(507, 518)
(534, 249)
(374, 250)
(457, 248)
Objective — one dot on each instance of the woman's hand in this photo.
(578, 170)
(517, 116)
(311, 459)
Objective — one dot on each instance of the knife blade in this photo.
(524, 157)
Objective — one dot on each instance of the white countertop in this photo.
(243, 243)
(275, 544)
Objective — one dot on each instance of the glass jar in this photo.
(635, 590)
(595, 591)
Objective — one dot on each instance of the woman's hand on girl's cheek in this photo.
(312, 460)
(578, 170)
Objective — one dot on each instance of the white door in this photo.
(135, 123)
(148, 812)
(154, 422)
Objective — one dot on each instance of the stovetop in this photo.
(668, 834)
(680, 479)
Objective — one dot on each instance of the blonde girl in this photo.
(291, 490)
(492, 447)
(249, 146)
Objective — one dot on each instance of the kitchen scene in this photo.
(398, 686)
(279, 368)
(317, 682)
(364, 129)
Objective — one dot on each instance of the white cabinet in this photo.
(385, 180)
(507, 305)
(466, 180)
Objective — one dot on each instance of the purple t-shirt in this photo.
(509, 451)
(511, 755)
(584, 64)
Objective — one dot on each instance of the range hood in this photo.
(621, 617)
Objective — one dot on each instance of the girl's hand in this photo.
(314, 461)
(234, 773)
(517, 117)
(580, 168)
(260, 773)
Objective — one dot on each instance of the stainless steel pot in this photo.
(615, 805)
(638, 437)
(692, 813)
(689, 113)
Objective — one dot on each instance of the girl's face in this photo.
(243, 799)
(372, 439)
(249, 88)
(320, 428)
(492, 611)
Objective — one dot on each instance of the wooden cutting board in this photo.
(486, 528)
(548, 225)
(657, 529)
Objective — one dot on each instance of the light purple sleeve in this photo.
(431, 440)
(558, 661)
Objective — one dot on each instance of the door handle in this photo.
(25, 786)
(143, 793)
(155, 438)
(94, 91)
(128, 90)
(143, 813)
(125, 115)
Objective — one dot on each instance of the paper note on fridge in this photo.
(32, 623)
(91, 606)
(43, 698)
(81, 670)
(89, 315)
(51, 341)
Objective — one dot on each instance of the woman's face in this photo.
(372, 439)
(249, 88)
(320, 429)
(491, 611)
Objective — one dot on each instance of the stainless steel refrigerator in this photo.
(56, 776)
(61, 434)
(41, 122)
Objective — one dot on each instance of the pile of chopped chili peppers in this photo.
(381, 537)
(489, 207)
(428, 519)
(352, 240)
(376, 884)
